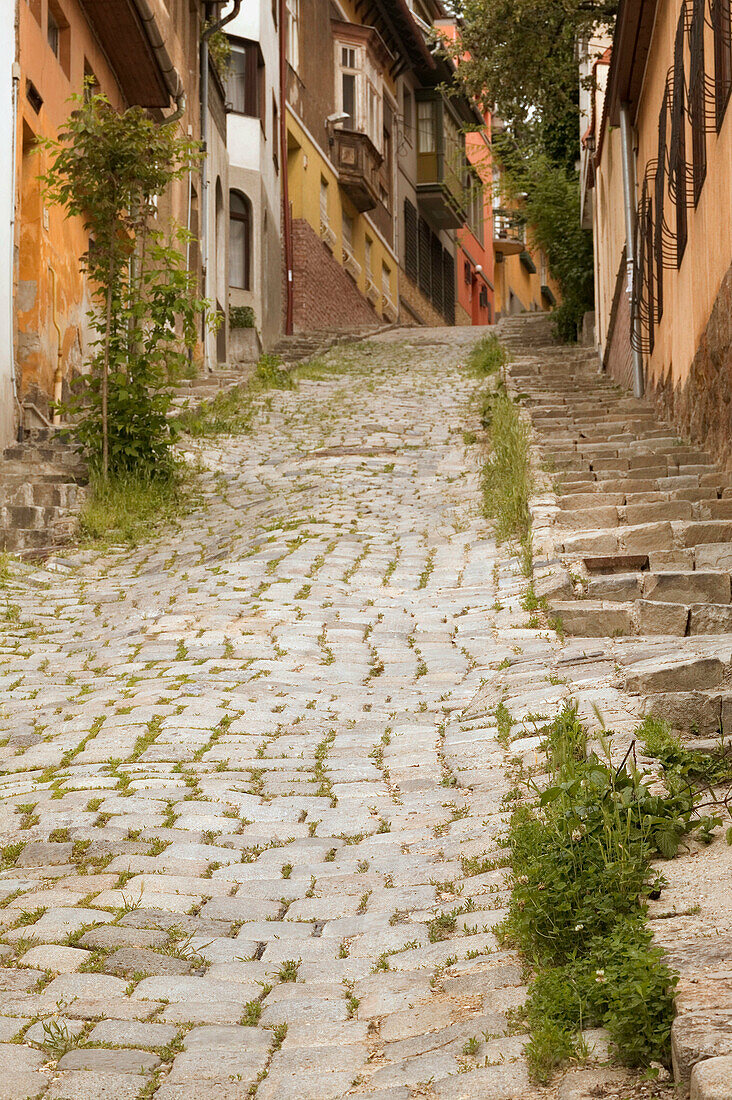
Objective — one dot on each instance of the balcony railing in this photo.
(358, 162)
(508, 233)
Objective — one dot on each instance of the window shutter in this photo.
(437, 275)
(448, 286)
(411, 254)
(425, 266)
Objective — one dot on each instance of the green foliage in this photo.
(241, 317)
(506, 478)
(124, 507)
(552, 210)
(488, 356)
(522, 59)
(522, 63)
(219, 49)
(232, 412)
(109, 168)
(581, 875)
(621, 984)
(680, 763)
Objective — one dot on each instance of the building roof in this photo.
(631, 44)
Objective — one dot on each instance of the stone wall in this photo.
(702, 409)
(324, 294)
(414, 303)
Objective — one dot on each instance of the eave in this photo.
(631, 45)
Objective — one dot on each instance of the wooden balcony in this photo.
(508, 234)
(358, 162)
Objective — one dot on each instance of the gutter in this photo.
(171, 76)
(626, 138)
(284, 181)
(203, 228)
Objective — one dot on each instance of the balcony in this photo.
(358, 162)
(508, 233)
(441, 164)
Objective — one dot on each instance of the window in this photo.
(386, 281)
(408, 112)
(275, 133)
(347, 232)
(427, 126)
(240, 241)
(58, 35)
(292, 33)
(660, 184)
(359, 91)
(678, 142)
(697, 107)
(368, 250)
(245, 82)
(349, 76)
(324, 220)
(722, 24)
(53, 33)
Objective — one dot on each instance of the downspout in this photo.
(203, 216)
(58, 375)
(286, 213)
(11, 258)
(626, 140)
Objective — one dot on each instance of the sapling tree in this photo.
(110, 167)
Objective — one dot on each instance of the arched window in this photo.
(240, 241)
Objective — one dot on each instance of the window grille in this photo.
(411, 261)
(697, 99)
(722, 27)
(425, 267)
(678, 141)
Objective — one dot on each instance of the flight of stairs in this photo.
(42, 483)
(642, 526)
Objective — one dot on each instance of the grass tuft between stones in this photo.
(580, 880)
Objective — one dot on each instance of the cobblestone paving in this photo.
(249, 845)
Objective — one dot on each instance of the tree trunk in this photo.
(105, 368)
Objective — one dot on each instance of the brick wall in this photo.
(421, 309)
(324, 294)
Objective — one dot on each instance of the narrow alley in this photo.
(250, 847)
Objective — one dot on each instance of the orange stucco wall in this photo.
(691, 291)
(47, 242)
(48, 277)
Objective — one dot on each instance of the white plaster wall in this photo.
(7, 57)
(252, 171)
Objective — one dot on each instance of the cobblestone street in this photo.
(250, 846)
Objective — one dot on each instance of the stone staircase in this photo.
(642, 524)
(632, 538)
(306, 345)
(42, 484)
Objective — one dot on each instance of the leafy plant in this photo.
(109, 168)
(488, 356)
(506, 478)
(581, 875)
(241, 317)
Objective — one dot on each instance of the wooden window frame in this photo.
(246, 219)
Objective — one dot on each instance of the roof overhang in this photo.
(119, 28)
(631, 45)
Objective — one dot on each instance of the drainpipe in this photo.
(11, 258)
(286, 212)
(626, 139)
(203, 216)
(58, 376)
(170, 73)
